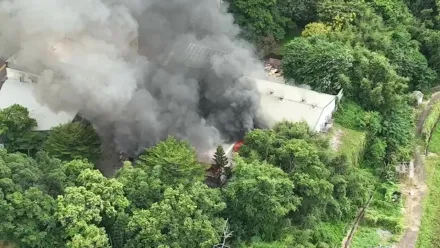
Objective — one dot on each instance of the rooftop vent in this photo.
(281, 98)
(314, 105)
(271, 92)
(303, 100)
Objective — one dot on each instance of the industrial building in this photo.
(283, 102)
(278, 101)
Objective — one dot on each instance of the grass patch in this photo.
(384, 215)
(366, 237)
(351, 143)
(434, 144)
(430, 226)
(386, 209)
(331, 232)
(350, 115)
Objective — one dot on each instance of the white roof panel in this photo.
(15, 92)
(281, 102)
(293, 93)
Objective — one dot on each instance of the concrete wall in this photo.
(326, 115)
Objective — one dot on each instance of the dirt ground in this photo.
(335, 141)
(414, 190)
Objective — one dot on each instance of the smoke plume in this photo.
(86, 52)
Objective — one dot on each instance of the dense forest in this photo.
(288, 187)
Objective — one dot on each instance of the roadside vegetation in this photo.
(430, 228)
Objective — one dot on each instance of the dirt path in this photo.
(335, 141)
(415, 188)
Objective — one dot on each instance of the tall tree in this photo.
(322, 64)
(173, 162)
(220, 159)
(259, 19)
(181, 219)
(16, 130)
(255, 185)
(73, 141)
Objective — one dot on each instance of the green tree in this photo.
(220, 159)
(26, 210)
(16, 130)
(27, 218)
(253, 186)
(73, 141)
(141, 188)
(259, 19)
(375, 83)
(173, 162)
(316, 28)
(180, 219)
(79, 211)
(314, 61)
(299, 11)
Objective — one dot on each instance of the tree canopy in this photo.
(73, 141)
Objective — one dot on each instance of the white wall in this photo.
(25, 76)
(326, 115)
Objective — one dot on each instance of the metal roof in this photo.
(286, 102)
(197, 55)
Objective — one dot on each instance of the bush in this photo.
(350, 115)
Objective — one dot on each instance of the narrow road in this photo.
(415, 188)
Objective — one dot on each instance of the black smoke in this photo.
(139, 96)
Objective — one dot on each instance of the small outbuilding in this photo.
(418, 96)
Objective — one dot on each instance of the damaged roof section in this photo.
(196, 56)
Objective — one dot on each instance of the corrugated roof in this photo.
(286, 102)
(196, 55)
(15, 92)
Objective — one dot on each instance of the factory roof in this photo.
(14, 91)
(286, 102)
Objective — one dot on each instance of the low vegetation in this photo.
(350, 143)
(430, 124)
(434, 143)
(429, 230)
